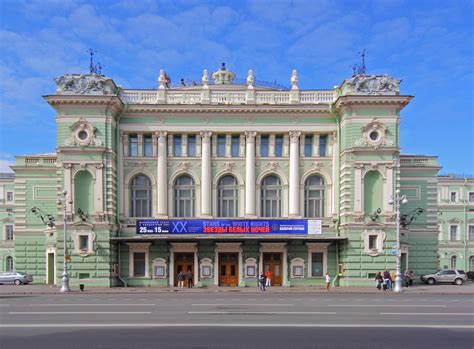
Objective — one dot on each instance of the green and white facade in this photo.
(222, 150)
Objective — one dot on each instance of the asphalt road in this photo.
(184, 320)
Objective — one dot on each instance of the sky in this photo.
(427, 44)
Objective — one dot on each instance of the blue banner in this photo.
(230, 226)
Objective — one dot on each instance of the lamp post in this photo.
(398, 200)
(65, 279)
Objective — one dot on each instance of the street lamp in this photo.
(65, 279)
(398, 200)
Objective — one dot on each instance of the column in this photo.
(67, 186)
(206, 178)
(358, 187)
(294, 193)
(162, 176)
(388, 188)
(335, 176)
(99, 189)
(250, 174)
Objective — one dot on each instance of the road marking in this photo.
(90, 304)
(4, 305)
(387, 305)
(263, 312)
(243, 304)
(430, 314)
(245, 325)
(75, 312)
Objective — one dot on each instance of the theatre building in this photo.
(226, 180)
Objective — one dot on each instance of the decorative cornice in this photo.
(344, 101)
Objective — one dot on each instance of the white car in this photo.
(457, 277)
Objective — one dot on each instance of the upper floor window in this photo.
(147, 146)
(235, 146)
(177, 151)
(308, 145)
(322, 145)
(192, 146)
(264, 146)
(454, 262)
(279, 146)
(314, 197)
(140, 197)
(9, 196)
(9, 235)
(453, 232)
(471, 233)
(471, 196)
(227, 197)
(184, 197)
(133, 146)
(270, 197)
(221, 145)
(453, 197)
(9, 263)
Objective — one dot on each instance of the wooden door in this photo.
(183, 262)
(273, 262)
(228, 269)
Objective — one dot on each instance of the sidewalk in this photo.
(466, 289)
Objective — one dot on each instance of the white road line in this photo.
(387, 305)
(291, 325)
(262, 312)
(243, 304)
(430, 314)
(4, 305)
(75, 312)
(90, 304)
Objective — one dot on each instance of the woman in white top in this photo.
(328, 281)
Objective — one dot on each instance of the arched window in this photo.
(140, 196)
(270, 197)
(83, 192)
(373, 192)
(9, 263)
(454, 261)
(227, 197)
(314, 197)
(184, 197)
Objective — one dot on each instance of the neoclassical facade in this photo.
(225, 180)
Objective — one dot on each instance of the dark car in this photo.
(13, 277)
(453, 276)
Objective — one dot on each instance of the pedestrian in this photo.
(190, 278)
(181, 278)
(261, 281)
(387, 281)
(412, 277)
(328, 281)
(268, 275)
(378, 280)
(406, 278)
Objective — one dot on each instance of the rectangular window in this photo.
(221, 146)
(372, 242)
(133, 147)
(278, 146)
(471, 233)
(235, 146)
(453, 230)
(453, 197)
(471, 196)
(139, 264)
(317, 264)
(83, 242)
(9, 232)
(177, 151)
(322, 145)
(264, 146)
(308, 146)
(191, 146)
(9, 196)
(147, 146)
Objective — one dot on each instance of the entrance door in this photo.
(50, 277)
(273, 262)
(228, 269)
(183, 262)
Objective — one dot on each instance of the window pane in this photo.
(322, 145)
(148, 146)
(140, 196)
(221, 146)
(317, 264)
(9, 232)
(133, 147)
(453, 232)
(308, 146)
(139, 264)
(471, 232)
(83, 242)
(264, 146)
(191, 146)
(235, 146)
(278, 146)
(177, 146)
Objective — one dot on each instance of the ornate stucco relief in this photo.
(374, 135)
(82, 134)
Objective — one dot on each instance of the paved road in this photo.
(185, 320)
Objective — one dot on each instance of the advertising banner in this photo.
(230, 226)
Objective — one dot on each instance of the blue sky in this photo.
(428, 44)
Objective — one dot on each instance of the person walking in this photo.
(190, 278)
(412, 277)
(387, 281)
(378, 280)
(261, 281)
(268, 275)
(328, 281)
(181, 278)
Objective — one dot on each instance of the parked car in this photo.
(12, 277)
(457, 277)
